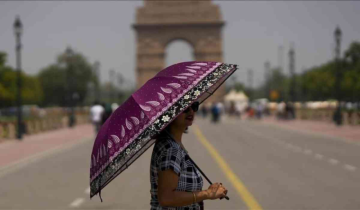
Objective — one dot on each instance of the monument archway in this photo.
(158, 23)
(178, 51)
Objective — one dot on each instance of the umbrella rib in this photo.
(209, 92)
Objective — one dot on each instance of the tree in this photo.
(5, 95)
(238, 86)
(350, 85)
(278, 83)
(52, 79)
(31, 91)
(69, 76)
(352, 55)
(2, 59)
(318, 82)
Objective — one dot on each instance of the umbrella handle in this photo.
(202, 173)
(226, 197)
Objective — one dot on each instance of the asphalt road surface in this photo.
(263, 167)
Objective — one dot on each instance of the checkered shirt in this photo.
(168, 154)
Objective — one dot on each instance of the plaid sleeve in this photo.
(170, 158)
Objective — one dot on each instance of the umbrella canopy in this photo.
(130, 130)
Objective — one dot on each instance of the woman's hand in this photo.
(216, 191)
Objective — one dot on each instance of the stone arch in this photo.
(187, 51)
(178, 38)
(158, 23)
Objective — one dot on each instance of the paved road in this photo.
(271, 166)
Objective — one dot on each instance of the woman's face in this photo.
(185, 119)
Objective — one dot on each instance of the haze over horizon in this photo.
(252, 35)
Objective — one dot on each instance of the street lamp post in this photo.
(96, 68)
(120, 78)
(337, 114)
(267, 83)
(292, 92)
(112, 86)
(250, 77)
(70, 84)
(18, 29)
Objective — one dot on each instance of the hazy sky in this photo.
(253, 33)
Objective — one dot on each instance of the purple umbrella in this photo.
(131, 129)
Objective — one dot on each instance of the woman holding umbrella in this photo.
(175, 181)
(160, 111)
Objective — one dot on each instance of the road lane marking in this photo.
(308, 132)
(77, 202)
(87, 191)
(349, 167)
(307, 151)
(318, 156)
(294, 148)
(244, 193)
(333, 161)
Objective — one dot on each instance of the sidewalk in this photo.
(13, 151)
(348, 132)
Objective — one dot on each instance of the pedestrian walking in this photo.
(204, 111)
(215, 113)
(259, 110)
(221, 109)
(238, 110)
(114, 106)
(96, 112)
(280, 111)
(107, 112)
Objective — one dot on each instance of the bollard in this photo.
(2, 132)
(51, 123)
(11, 131)
(37, 126)
(28, 127)
(355, 118)
(345, 118)
(64, 121)
(328, 115)
(58, 122)
(32, 125)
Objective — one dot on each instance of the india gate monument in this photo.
(158, 23)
